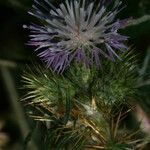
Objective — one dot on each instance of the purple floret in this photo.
(78, 31)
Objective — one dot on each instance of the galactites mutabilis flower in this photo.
(77, 30)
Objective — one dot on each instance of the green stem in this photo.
(10, 86)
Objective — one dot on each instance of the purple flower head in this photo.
(77, 30)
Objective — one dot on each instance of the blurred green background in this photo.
(15, 55)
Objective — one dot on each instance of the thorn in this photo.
(93, 103)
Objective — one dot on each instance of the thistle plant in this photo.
(82, 104)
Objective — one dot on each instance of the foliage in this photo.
(81, 107)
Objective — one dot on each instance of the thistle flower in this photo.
(78, 30)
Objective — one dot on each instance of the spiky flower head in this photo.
(78, 30)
